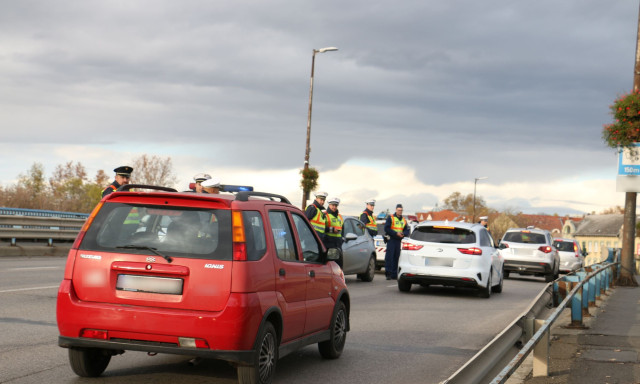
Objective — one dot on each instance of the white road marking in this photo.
(28, 289)
(31, 268)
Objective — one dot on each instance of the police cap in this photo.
(484, 218)
(200, 177)
(334, 200)
(213, 182)
(370, 202)
(321, 194)
(124, 170)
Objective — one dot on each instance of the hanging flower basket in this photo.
(625, 130)
(309, 180)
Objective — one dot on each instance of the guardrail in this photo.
(39, 225)
(499, 359)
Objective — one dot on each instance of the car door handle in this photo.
(282, 272)
(312, 273)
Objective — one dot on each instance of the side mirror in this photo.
(501, 246)
(333, 254)
(350, 236)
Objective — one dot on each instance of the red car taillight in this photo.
(575, 249)
(95, 334)
(545, 249)
(86, 225)
(237, 230)
(411, 247)
(470, 251)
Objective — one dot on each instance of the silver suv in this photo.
(530, 251)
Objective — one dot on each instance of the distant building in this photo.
(597, 233)
(441, 215)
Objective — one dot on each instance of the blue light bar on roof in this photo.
(236, 188)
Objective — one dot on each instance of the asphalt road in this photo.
(418, 337)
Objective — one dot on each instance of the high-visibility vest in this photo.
(398, 224)
(371, 224)
(335, 222)
(133, 217)
(319, 221)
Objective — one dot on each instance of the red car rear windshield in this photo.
(171, 231)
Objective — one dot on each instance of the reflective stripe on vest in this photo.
(319, 221)
(133, 217)
(372, 222)
(398, 224)
(335, 222)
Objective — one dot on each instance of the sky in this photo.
(420, 99)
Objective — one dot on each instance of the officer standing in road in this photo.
(315, 214)
(396, 228)
(484, 221)
(333, 232)
(123, 175)
(368, 219)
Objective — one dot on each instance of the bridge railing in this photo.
(39, 225)
(499, 359)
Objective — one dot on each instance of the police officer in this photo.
(368, 219)
(484, 221)
(333, 232)
(396, 228)
(211, 186)
(123, 175)
(199, 178)
(315, 214)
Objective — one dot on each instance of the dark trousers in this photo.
(391, 258)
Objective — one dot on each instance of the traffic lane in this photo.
(394, 337)
(422, 336)
(21, 273)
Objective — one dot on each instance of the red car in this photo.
(242, 278)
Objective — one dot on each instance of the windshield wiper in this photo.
(154, 250)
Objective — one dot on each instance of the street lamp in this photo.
(475, 181)
(305, 193)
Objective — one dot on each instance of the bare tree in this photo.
(153, 170)
(464, 204)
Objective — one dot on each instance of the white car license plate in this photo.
(438, 262)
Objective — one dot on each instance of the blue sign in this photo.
(629, 161)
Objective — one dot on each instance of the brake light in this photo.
(237, 234)
(95, 334)
(470, 251)
(411, 247)
(545, 249)
(86, 225)
(575, 249)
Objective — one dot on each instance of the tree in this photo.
(72, 191)
(613, 210)
(153, 170)
(464, 204)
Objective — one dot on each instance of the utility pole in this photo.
(627, 272)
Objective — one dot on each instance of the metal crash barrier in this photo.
(499, 359)
(38, 225)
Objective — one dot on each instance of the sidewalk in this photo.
(606, 351)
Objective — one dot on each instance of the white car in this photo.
(452, 254)
(530, 251)
(571, 257)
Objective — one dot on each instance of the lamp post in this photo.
(305, 192)
(475, 181)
